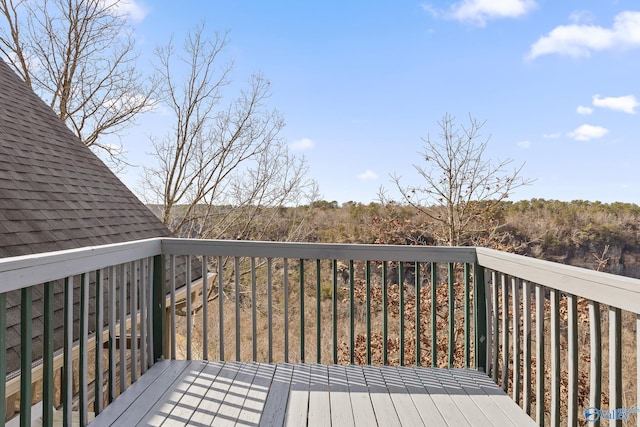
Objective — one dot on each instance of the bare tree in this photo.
(462, 189)
(79, 56)
(223, 170)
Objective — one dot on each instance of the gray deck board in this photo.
(229, 412)
(429, 411)
(257, 395)
(201, 393)
(276, 404)
(514, 412)
(450, 402)
(242, 389)
(386, 414)
(190, 401)
(132, 405)
(159, 413)
(489, 407)
(319, 402)
(218, 391)
(298, 406)
(339, 397)
(407, 412)
(362, 408)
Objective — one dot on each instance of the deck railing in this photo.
(78, 293)
(533, 326)
(551, 317)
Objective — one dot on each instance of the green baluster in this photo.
(352, 329)
(302, 310)
(417, 286)
(401, 298)
(452, 301)
(47, 357)
(368, 281)
(318, 314)
(434, 310)
(26, 339)
(3, 356)
(467, 342)
(385, 312)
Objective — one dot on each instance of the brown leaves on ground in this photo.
(410, 334)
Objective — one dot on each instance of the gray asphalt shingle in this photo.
(55, 194)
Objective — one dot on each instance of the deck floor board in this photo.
(402, 401)
(319, 402)
(298, 406)
(363, 413)
(424, 402)
(203, 393)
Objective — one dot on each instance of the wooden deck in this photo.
(199, 393)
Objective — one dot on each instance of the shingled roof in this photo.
(55, 194)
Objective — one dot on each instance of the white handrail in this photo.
(28, 270)
(247, 248)
(605, 288)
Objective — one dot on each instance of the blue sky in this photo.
(361, 82)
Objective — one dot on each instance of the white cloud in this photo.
(554, 135)
(129, 8)
(627, 104)
(368, 175)
(301, 144)
(579, 40)
(131, 101)
(581, 16)
(480, 11)
(162, 109)
(431, 10)
(587, 132)
(524, 144)
(584, 110)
